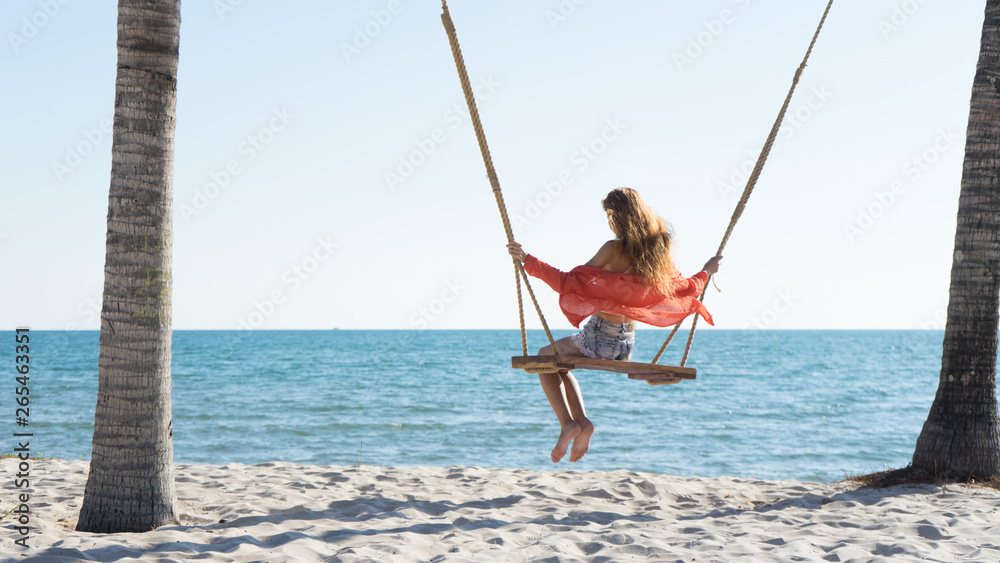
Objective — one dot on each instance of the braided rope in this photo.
(670, 337)
(541, 317)
(752, 181)
(520, 311)
(470, 99)
(666, 381)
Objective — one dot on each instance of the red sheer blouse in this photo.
(585, 290)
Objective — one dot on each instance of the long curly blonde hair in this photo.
(646, 240)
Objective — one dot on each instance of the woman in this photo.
(630, 278)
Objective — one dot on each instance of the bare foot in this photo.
(569, 432)
(582, 442)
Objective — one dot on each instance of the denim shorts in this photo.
(607, 340)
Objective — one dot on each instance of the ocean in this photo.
(805, 405)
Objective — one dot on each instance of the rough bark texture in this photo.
(130, 487)
(961, 438)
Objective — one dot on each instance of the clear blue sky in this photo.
(293, 117)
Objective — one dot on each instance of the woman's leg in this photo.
(563, 392)
(581, 441)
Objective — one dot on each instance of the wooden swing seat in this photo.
(654, 373)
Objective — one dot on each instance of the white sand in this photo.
(286, 512)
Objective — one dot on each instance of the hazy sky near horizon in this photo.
(327, 175)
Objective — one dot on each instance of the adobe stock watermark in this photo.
(366, 33)
(562, 12)
(225, 7)
(795, 119)
(580, 160)
(913, 169)
(936, 322)
(76, 152)
(88, 312)
(425, 146)
(427, 314)
(248, 150)
(901, 14)
(783, 301)
(712, 30)
(31, 26)
(292, 280)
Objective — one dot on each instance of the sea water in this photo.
(807, 405)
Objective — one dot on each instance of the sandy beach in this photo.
(287, 512)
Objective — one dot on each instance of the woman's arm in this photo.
(535, 267)
(606, 256)
(693, 286)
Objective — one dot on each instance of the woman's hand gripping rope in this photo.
(516, 251)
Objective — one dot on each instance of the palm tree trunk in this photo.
(130, 487)
(961, 437)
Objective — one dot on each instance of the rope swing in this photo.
(751, 183)
(491, 173)
(653, 373)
